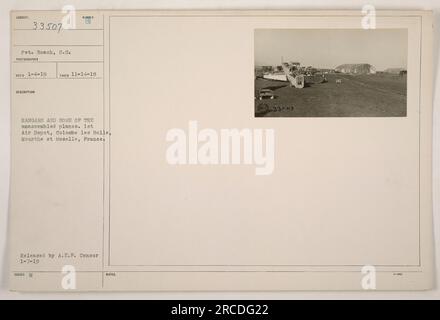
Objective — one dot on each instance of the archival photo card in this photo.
(140, 161)
(331, 72)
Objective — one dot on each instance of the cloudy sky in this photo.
(383, 48)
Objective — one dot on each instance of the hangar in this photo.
(356, 68)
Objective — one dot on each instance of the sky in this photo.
(328, 48)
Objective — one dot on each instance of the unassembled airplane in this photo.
(293, 73)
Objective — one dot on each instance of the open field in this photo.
(373, 95)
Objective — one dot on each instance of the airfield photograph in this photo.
(330, 73)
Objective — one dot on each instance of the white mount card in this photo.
(221, 150)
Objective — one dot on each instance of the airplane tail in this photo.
(293, 76)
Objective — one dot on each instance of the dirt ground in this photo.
(375, 95)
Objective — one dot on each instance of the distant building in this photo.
(396, 71)
(259, 72)
(267, 68)
(356, 68)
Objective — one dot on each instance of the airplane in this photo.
(292, 72)
(295, 75)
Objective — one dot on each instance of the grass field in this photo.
(375, 95)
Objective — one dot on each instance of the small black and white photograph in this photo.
(330, 72)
